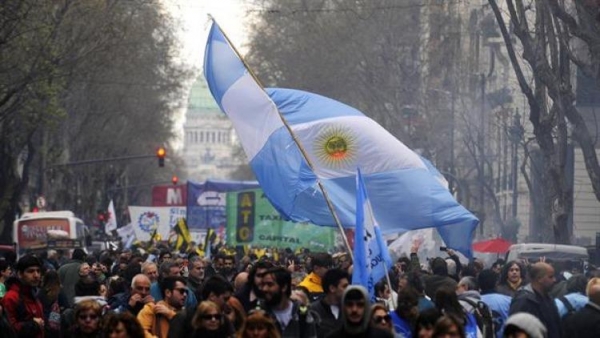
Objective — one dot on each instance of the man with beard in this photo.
(24, 311)
(291, 319)
(251, 292)
(228, 269)
(155, 318)
(356, 316)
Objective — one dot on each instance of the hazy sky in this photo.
(230, 14)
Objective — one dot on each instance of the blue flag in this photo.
(294, 140)
(371, 257)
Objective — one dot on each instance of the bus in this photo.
(31, 230)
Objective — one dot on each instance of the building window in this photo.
(201, 136)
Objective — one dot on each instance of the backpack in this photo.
(483, 316)
(570, 309)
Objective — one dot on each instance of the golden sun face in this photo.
(335, 147)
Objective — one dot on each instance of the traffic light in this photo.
(161, 153)
(174, 179)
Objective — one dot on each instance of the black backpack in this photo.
(483, 316)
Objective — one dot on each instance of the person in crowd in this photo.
(356, 317)
(586, 322)
(25, 313)
(385, 295)
(155, 318)
(164, 256)
(524, 325)
(534, 298)
(447, 302)
(300, 296)
(426, 322)
(122, 325)
(5, 273)
(88, 315)
(320, 263)
(258, 325)
(150, 270)
(196, 275)
(169, 268)
(251, 292)
(380, 317)
(69, 274)
(291, 319)
(209, 322)
(575, 297)
(54, 303)
(51, 260)
(497, 266)
(237, 315)
(511, 278)
(468, 293)
(449, 326)
(498, 303)
(406, 312)
(439, 277)
(328, 308)
(134, 301)
(88, 288)
(217, 290)
(240, 281)
(228, 269)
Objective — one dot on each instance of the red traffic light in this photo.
(175, 180)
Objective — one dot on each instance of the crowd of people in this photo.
(162, 293)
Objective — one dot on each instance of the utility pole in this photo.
(481, 142)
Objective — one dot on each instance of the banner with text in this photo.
(252, 220)
(146, 219)
(206, 202)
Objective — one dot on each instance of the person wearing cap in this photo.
(524, 325)
(24, 311)
(69, 274)
(586, 322)
(356, 316)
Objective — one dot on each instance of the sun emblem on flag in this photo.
(335, 147)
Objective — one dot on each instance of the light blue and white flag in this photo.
(335, 140)
(371, 257)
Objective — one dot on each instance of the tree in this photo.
(545, 31)
(84, 80)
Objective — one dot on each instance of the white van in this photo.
(554, 252)
(31, 230)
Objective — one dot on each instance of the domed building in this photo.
(209, 137)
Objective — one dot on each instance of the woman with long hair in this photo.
(122, 325)
(87, 315)
(258, 325)
(448, 326)
(447, 303)
(209, 321)
(512, 277)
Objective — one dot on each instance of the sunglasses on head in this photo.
(209, 317)
(379, 319)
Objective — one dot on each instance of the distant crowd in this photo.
(280, 293)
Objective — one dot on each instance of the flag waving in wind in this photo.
(111, 223)
(371, 257)
(296, 140)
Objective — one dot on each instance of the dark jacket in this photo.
(120, 303)
(69, 276)
(303, 324)
(328, 323)
(21, 306)
(543, 307)
(583, 324)
(243, 296)
(362, 329)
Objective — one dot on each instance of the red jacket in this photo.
(21, 306)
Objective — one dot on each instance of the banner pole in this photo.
(298, 144)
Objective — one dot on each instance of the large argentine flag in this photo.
(335, 139)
